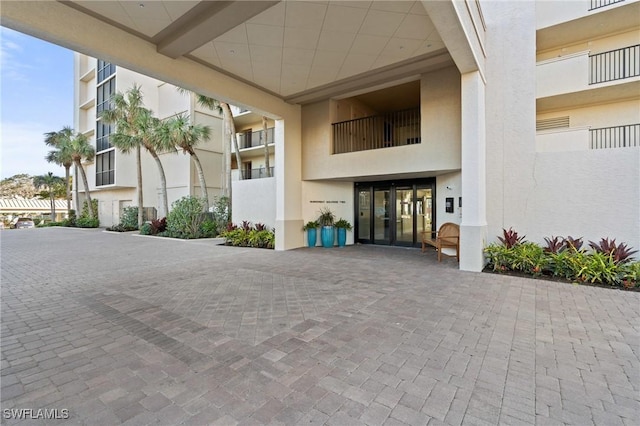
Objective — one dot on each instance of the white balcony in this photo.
(562, 140)
(566, 74)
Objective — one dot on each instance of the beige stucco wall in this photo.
(254, 200)
(336, 196)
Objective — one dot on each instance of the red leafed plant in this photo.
(158, 225)
(620, 253)
(510, 238)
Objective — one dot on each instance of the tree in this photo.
(76, 147)
(17, 186)
(230, 132)
(80, 149)
(180, 132)
(51, 185)
(266, 145)
(60, 155)
(126, 111)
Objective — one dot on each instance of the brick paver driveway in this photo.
(117, 328)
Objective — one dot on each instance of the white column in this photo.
(288, 173)
(473, 228)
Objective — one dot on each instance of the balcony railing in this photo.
(253, 139)
(258, 173)
(381, 131)
(615, 65)
(615, 137)
(597, 4)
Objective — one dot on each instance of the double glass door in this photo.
(394, 213)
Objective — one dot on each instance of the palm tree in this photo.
(51, 184)
(61, 156)
(230, 132)
(180, 132)
(80, 149)
(266, 146)
(126, 111)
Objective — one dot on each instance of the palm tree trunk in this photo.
(266, 146)
(227, 159)
(77, 192)
(86, 188)
(228, 116)
(140, 201)
(53, 205)
(203, 184)
(163, 179)
(68, 188)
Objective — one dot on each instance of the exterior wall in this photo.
(510, 116)
(254, 200)
(438, 151)
(337, 196)
(448, 185)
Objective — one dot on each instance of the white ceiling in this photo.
(293, 46)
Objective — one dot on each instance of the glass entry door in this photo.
(394, 213)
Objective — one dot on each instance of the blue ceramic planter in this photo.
(342, 237)
(312, 236)
(327, 236)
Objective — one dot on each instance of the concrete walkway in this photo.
(117, 328)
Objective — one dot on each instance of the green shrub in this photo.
(129, 219)
(221, 212)
(186, 218)
(528, 258)
(37, 221)
(70, 221)
(145, 229)
(87, 222)
(600, 268)
(246, 236)
(630, 274)
(209, 229)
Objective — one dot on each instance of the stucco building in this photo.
(403, 115)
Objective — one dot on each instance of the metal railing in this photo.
(253, 139)
(615, 137)
(597, 4)
(381, 131)
(615, 64)
(258, 173)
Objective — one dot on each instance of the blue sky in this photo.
(36, 96)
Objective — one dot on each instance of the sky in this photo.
(36, 97)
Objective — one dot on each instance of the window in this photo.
(105, 69)
(104, 93)
(103, 130)
(105, 167)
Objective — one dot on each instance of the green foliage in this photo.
(186, 218)
(87, 222)
(312, 224)
(249, 237)
(607, 264)
(145, 229)
(343, 223)
(70, 221)
(209, 229)
(129, 219)
(85, 208)
(327, 217)
(630, 274)
(221, 212)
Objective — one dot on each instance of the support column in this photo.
(473, 229)
(288, 173)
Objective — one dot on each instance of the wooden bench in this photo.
(448, 236)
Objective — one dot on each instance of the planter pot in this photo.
(312, 236)
(342, 237)
(327, 236)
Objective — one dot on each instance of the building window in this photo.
(104, 93)
(105, 167)
(105, 70)
(103, 130)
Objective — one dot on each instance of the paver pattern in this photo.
(117, 328)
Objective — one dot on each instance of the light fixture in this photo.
(141, 4)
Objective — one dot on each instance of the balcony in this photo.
(259, 173)
(381, 131)
(597, 4)
(615, 137)
(581, 78)
(584, 138)
(251, 139)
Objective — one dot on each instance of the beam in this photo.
(205, 22)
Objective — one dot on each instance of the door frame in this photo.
(391, 186)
